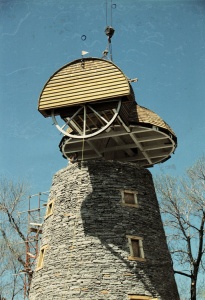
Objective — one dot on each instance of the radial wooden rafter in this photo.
(140, 144)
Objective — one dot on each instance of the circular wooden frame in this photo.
(74, 130)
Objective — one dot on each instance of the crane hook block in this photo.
(109, 31)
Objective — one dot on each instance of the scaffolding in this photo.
(35, 214)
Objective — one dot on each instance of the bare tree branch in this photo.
(182, 203)
(12, 233)
(182, 273)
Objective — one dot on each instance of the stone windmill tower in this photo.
(102, 236)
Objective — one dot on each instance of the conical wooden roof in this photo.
(144, 116)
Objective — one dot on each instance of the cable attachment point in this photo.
(105, 53)
(109, 31)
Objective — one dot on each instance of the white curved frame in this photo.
(82, 134)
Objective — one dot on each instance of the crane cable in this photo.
(111, 13)
(112, 6)
(109, 31)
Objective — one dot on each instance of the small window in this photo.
(136, 248)
(41, 258)
(129, 198)
(137, 297)
(49, 210)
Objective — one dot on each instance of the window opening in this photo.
(129, 197)
(136, 248)
(138, 297)
(41, 258)
(49, 210)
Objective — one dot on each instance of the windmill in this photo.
(102, 235)
(91, 100)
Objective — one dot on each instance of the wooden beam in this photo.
(152, 138)
(90, 146)
(140, 147)
(120, 141)
(94, 148)
(158, 147)
(120, 147)
(111, 133)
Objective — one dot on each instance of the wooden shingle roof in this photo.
(83, 81)
(144, 116)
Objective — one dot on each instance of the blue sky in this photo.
(160, 42)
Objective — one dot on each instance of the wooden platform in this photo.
(145, 140)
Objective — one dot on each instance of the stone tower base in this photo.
(103, 237)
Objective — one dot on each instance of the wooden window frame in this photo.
(49, 210)
(41, 255)
(141, 250)
(135, 193)
(137, 297)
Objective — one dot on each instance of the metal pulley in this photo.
(109, 31)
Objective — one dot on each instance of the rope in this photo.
(83, 146)
(110, 46)
(73, 237)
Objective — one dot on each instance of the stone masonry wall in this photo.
(87, 248)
